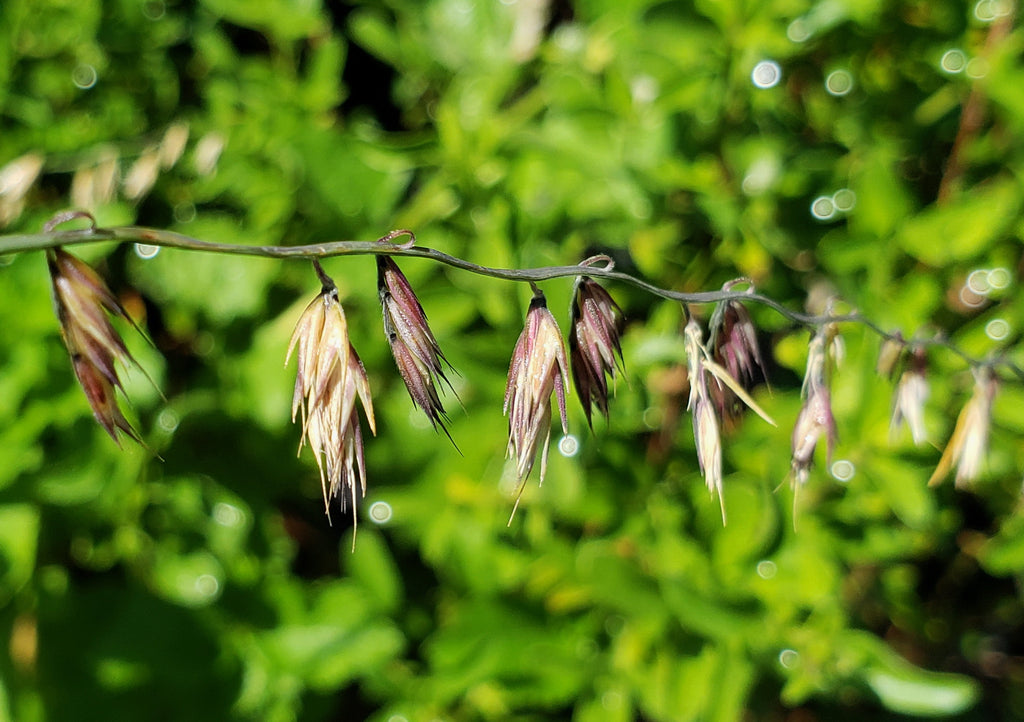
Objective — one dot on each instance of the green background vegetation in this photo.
(209, 586)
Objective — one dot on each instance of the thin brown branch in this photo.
(972, 118)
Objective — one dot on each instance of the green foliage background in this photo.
(207, 585)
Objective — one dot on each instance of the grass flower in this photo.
(83, 303)
(538, 368)
(706, 434)
(911, 395)
(413, 346)
(143, 174)
(815, 419)
(706, 422)
(733, 339)
(172, 145)
(733, 343)
(16, 178)
(594, 346)
(329, 379)
(890, 355)
(968, 445)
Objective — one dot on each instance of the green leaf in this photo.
(193, 580)
(221, 289)
(280, 19)
(1003, 554)
(963, 228)
(912, 691)
(19, 538)
(373, 567)
(905, 688)
(707, 616)
(337, 638)
(883, 203)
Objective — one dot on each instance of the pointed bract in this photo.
(537, 369)
(413, 346)
(594, 345)
(83, 304)
(329, 379)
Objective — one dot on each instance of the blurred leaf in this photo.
(883, 203)
(281, 19)
(962, 229)
(375, 570)
(907, 689)
(535, 662)
(125, 664)
(1003, 554)
(337, 639)
(192, 580)
(19, 538)
(185, 280)
(349, 177)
